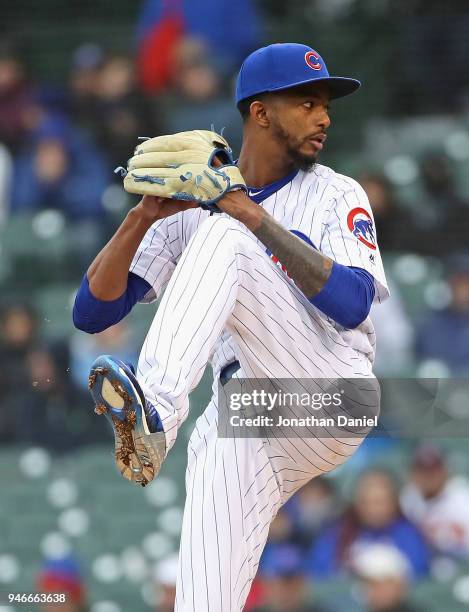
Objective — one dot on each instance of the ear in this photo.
(259, 113)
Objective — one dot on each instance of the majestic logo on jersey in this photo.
(312, 59)
(360, 223)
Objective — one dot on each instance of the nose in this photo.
(325, 120)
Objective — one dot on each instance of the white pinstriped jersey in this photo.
(328, 209)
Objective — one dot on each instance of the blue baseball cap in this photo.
(282, 560)
(284, 65)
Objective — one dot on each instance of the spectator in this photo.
(311, 508)
(281, 528)
(62, 576)
(15, 99)
(195, 78)
(438, 502)
(83, 85)
(230, 31)
(384, 575)
(281, 533)
(37, 398)
(444, 214)
(121, 115)
(395, 227)
(444, 335)
(104, 102)
(166, 577)
(59, 170)
(395, 336)
(118, 340)
(373, 517)
(26, 361)
(198, 97)
(286, 588)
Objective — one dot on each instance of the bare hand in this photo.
(155, 208)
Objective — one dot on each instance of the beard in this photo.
(292, 148)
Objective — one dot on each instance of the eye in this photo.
(308, 105)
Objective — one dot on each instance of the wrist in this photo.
(239, 206)
(143, 216)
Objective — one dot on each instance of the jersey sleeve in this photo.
(348, 235)
(154, 260)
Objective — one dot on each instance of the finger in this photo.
(156, 200)
(172, 207)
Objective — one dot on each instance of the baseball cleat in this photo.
(140, 444)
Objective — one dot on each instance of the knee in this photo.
(227, 229)
(219, 223)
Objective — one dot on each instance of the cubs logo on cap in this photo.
(311, 58)
(360, 223)
(284, 65)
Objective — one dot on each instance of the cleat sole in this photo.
(136, 459)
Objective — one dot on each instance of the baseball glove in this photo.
(181, 167)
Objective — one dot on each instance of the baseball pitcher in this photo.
(270, 265)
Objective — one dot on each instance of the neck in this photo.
(262, 163)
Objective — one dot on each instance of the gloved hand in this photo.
(182, 166)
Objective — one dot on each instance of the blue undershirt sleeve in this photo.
(347, 296)
(93, 315)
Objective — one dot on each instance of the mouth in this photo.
(318, 141)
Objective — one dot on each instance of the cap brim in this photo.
(342, 86)
(339, 86)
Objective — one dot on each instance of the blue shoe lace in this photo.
(153, 418)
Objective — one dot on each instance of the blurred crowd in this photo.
(43, 383)
(374, 542)
(390, 534)
(61, 141)
(57, 151)
(59, 147)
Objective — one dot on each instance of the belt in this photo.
(228, 371)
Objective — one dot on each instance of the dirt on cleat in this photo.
(124, 431)
(94, 374)
(92, 379)
(100, 409)
(123, 455)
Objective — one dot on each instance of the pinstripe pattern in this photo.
(226, 300)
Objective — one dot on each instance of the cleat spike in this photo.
(92, 379)
(100, 409)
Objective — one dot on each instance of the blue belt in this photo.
(227, 372)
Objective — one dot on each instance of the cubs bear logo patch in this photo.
(360, 223)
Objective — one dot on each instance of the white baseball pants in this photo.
(225, 281)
